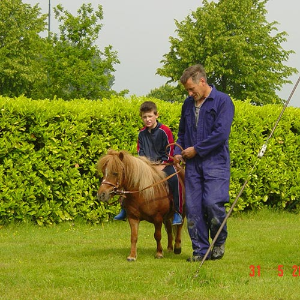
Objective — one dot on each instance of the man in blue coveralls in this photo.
(204, 129)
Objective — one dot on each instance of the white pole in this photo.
(49, 13)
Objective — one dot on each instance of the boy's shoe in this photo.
(177, 219)
(218, 252)
(121, 216)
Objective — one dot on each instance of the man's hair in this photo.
(148, 106)
(196, 72)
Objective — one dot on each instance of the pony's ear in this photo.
(121, 155)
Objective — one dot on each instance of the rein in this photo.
(116, 190)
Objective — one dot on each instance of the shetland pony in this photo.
(146, 196)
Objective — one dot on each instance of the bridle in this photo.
(116, 191)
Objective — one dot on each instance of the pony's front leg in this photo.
(134, 225)
(157, 236)
(168, 226)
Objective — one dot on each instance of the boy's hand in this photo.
(159, 167)
(178, 159)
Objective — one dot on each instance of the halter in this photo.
(116, 186)
(115, 190)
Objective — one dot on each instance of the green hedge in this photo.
(276, 180)
(49, 148)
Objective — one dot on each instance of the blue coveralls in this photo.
(207, 175)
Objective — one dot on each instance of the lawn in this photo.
(79, 261)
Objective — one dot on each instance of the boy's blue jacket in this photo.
(154, 144)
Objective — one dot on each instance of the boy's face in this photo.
(149, 119)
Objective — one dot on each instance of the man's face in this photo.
(149, 119)
(196, 90)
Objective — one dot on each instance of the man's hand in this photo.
(188, 153)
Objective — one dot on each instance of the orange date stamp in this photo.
(256, 271)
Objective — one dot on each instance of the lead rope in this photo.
(260, 155)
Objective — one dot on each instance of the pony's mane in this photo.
(139, 173)
(111, 162)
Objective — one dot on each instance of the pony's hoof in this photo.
(177, 250)
(131, 258)
(159, 256)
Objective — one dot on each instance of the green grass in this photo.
(78, 261)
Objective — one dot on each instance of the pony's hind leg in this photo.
(177, 245)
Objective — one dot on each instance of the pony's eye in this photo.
(115, 174)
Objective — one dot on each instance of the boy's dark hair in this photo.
(196, 72)
(148, 106)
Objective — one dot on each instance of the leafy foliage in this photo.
(49, 149)
(240, 50)
(20, 47)
(76, 68)
(68, 65)
(275, 180)
(167, 93)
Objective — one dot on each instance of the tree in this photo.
(20, 47)
(66, 65)
(76, 68)
(239, 49)
(165, 92)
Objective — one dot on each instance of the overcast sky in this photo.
(139, 31)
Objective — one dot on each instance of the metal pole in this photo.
(49, 19)
(260, 155)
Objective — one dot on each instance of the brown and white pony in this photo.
(146, 196)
